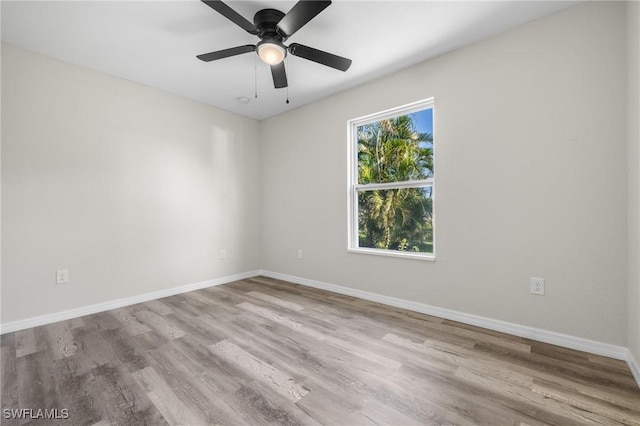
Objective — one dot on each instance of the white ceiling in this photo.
(155, 43)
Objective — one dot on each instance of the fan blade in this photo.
(219, 54)
(301, 13)
(279, 75)
(324, 58)
(231, 15)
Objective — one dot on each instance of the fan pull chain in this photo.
(287, 82)
(255, 76)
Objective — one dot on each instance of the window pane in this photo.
(396, 149)
(396, 219)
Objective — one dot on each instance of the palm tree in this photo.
(391, 150)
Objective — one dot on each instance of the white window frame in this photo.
(354, 187)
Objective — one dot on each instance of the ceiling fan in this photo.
(274, 28)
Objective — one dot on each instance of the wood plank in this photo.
(200, 389)
(158, 307)
(101, 321)
(126, 350)
(77, 392)
(276, 301)
(173, 410)
(272, 315)
(159, 324)
(93, 349)
(542, 365)
(259, 370)
(130, 322)
(9, 375)
(218, 374)
(327, 338)
(587, 403)
(37, 387)
(27, 343)
(61, 342)
(520, 396)
(114, 387)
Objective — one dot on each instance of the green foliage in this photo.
(391, 150)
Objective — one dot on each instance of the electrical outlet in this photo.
(62, 276)
(299, 253)
(537, 286)
(223, 254)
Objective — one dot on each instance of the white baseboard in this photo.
(564, 340)
(118, 303)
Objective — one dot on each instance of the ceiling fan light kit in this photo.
(273, 28)
(271, 52)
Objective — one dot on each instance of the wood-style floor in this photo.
(262, 351)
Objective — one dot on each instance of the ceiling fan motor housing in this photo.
(266, 21)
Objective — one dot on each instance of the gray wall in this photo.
(133, 190)
(530, 145)
(633, 74)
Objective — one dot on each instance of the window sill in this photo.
(393, 253)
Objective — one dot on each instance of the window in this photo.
(391, 181)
